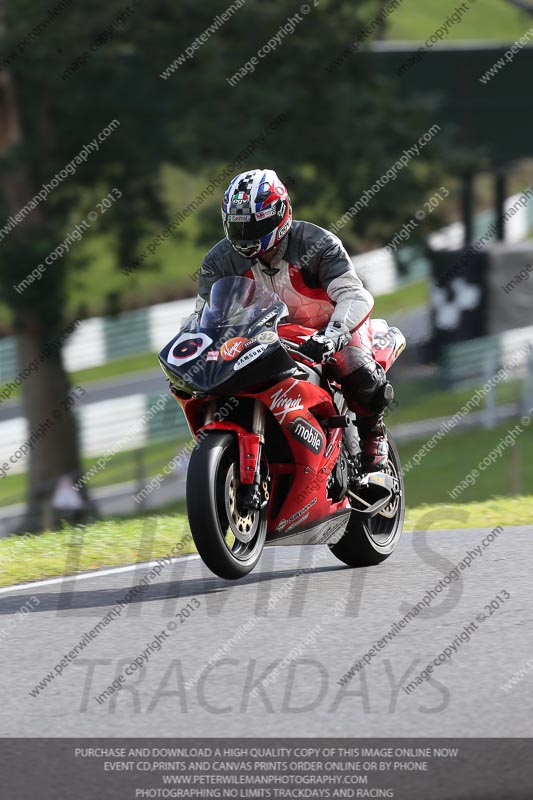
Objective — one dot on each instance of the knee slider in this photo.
(384, 397)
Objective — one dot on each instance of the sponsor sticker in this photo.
(306, 433)
(212, 355)
(285, 400)
(232, 348)
(269, 212)
(297, 514)
(383, 340)
(298, 522)
(268, 316)
(284, 228)
(240, 198)
(267, 337)
(239, 217)
(250, 355)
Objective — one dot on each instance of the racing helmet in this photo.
(256, 212)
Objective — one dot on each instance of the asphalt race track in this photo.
(293, 602)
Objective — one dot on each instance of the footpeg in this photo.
(379, 479)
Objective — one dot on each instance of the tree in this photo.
(68, 74)
(44, 127)
(36, 323)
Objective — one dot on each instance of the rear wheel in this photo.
(228, 538)
(368, 542)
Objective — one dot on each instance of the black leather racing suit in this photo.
(311, 272)
(314, 276)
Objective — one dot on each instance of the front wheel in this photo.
(228, 539)
(368, 542)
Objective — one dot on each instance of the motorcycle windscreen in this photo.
(236, 330)
(237, 301)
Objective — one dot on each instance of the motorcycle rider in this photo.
(309, 269)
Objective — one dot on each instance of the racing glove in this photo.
(321, 345)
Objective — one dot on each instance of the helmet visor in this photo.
(250, 231)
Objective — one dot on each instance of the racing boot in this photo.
(374, 444)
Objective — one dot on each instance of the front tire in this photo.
(368, 542)
(229, 542)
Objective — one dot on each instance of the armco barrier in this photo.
(98, 340)
(472, 362)
(117, 425)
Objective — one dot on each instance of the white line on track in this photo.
(97, 573)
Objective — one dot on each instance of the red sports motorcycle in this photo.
(277, 456)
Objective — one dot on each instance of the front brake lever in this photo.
(293, 349)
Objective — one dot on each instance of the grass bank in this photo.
(116, 542)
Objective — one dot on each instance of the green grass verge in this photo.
(416, 403)
(485, 514)
(115, 369)
(403, 300)
(455, 456)
(116, 542)
(487, 20)
(101, 544)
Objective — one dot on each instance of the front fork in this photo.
(253, 496)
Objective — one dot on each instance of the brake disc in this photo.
(243, 526)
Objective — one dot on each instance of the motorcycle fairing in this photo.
(249, 448)
(290, 401)
(325, 531)
(388, 342)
